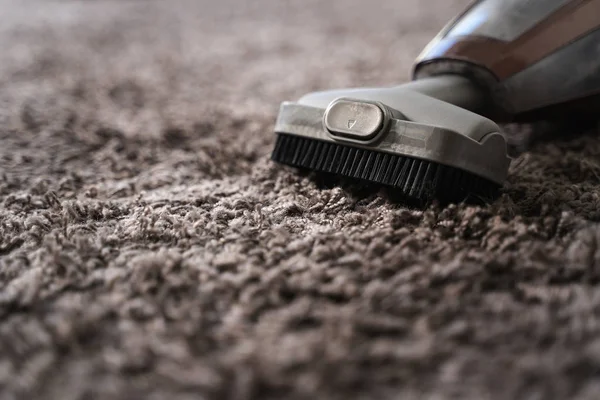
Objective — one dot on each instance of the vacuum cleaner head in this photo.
(423, 148)
(510, 60)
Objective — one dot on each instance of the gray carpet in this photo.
(150, 250)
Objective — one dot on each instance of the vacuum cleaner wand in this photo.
(433, 138)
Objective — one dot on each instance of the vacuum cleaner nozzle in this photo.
(421, 146)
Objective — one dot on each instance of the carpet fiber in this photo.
(150, 250)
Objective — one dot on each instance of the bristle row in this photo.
(415, 178)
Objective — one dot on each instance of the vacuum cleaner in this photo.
(437, 136)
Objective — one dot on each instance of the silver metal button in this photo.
(354, 119)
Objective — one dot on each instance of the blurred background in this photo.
(138, 65)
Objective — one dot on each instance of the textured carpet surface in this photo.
(150, 250)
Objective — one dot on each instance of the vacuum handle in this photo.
(533, 54)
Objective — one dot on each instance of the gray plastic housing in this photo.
(417, 125)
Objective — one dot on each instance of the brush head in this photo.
(419, 181)
(421, 147)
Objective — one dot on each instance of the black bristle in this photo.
(414, 178)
